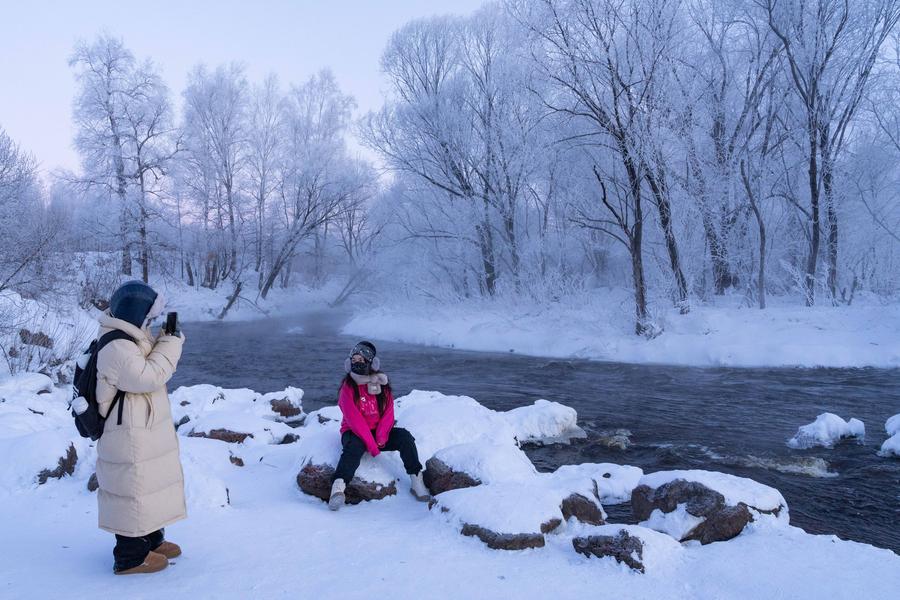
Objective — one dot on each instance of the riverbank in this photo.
(252, 532)
(600, 327)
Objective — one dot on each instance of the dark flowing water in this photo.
(730, 420)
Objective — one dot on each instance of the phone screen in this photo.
(171, 323)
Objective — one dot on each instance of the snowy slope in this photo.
(252, 533)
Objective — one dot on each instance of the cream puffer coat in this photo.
(138, 466)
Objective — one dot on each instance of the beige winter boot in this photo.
(168, 549)
(152, 564)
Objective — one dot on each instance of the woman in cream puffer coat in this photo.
(138, 465)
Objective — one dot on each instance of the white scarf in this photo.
(373, 381)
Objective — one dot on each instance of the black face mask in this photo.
(360, 368)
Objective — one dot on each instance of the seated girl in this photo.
(367, 404)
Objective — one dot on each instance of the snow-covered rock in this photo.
(505, 516)
(237, 415)
(438, 421)
(612, 483)
(827, 430)
(194, 401)
(512, 514)
(37, 433)
(482, 461)
(206, 465)
(39, 456)
(892, 425)
(638, 547)
(703, 505)
(891, 446)
(544, 422)
(23, 385)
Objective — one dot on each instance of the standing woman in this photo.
(367, 404)
(138, 465)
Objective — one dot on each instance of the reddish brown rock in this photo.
(315, 480)
(583, 509)
(286, 410)
(440, 477)
(224, 435)
(722, 522)
(66, 466)
(623, 547)
(236, 460)
(504, 541)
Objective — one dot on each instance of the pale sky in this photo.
(292, 39)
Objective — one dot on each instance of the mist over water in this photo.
(731, 420)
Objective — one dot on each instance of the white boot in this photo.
(337, 494)
(417, 487)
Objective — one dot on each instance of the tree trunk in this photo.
(486, 245)
(831, 220)
(232, 299)
(190, 272)
(232, 227)
(142, 232)
(812, 259)
(761, 278)
(660, 194)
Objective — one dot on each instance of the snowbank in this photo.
(507, 508)
(600, 326)
(195, 304)
(891, 446)
(545, 422)
(827, 430)
(614, 482)
(41, 336)
(248, 492)
(487, 461)
(37, 434)
(735, 489)
(236, 414)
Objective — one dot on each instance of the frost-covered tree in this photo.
(215, 130)
(831, 47)
(103, 71)
(25, 235)
(315, 173)
(606, 61)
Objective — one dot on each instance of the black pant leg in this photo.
(156, 538)
(402, 441)
(354, 448)
(130, 551)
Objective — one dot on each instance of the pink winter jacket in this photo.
(365, 418)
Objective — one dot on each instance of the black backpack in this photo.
(90, 423)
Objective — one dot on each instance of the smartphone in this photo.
(171, 323)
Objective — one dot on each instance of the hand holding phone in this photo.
(171, 327)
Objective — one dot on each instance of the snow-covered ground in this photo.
(252, 533)
(601, 327)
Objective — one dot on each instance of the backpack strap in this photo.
(106, 338)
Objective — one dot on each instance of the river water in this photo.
(730, 420)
